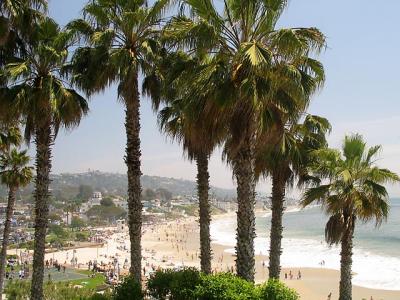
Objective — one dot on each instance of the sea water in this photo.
(376, 258)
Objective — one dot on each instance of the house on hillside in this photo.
(93, 201)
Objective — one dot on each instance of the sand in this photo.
(177, 244)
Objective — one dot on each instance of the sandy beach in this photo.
(176, 244)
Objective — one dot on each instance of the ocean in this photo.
(376, 258)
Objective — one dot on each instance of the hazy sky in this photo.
(360, 95)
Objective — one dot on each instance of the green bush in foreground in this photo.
(20, 290)
(276, 290)
(225, 286)
(174, 285)
(129, 289)
(185, 284)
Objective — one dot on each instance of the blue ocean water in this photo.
(376, 250)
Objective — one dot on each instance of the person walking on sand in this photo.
(299, 275)
(329, 296)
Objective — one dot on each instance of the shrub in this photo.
(276, 290)
(82, 236)
(177, 285)
(128, 289)
(99, 297)
(225, 286)
(20, 290)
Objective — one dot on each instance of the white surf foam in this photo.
(372, 270)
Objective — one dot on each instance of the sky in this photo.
(360, 95)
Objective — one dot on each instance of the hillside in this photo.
(114, 183)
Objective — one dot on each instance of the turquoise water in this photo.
(376, 253)
(310, 223)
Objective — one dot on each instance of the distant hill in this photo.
(114, 183)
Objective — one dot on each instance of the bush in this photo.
(82, 236)
(225, 286)
(276, 290)
(20, 290)
(177, 285)
(99, 297)
(129, 289)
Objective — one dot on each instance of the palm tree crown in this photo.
(120, 36)
(14, 171)
(351, 188)
(37, 91)
(355, 187)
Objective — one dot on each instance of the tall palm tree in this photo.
(37, 93)
(16, 20)
(120, 36)
(251, 60)
(354, 191)
(190, 120)
(284, 160)
(15, 173)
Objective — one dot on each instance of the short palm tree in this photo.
(250, 61)
(15, 173)
(9, 137)
(351, 188)
(284, 160)
(120, 36)
(37, 94)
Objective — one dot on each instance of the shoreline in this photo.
(176, 243)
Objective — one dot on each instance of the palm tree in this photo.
(190, 120)
(38, 95)
(120, 36)
(354, 191)
(285, 160)
(16, 20)
(9, 136)
(250, 61)
(14, 173)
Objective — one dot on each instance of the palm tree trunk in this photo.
(275, 250)
(6, 233)
(205, 212)
(43, 166)
(346, 261)
(244, 172)
(132, 160)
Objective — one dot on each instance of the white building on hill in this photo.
(93, 201)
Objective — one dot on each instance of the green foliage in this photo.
(128, 289)
(58, 231)
(82, 236)
(77, 222)
(106, 212)
(99, 297)
(54, 217)
(276, 290)
(107, 202)
(176, 285)
(225, 286)
(19, 290)
(354, 189)
(85, 192)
